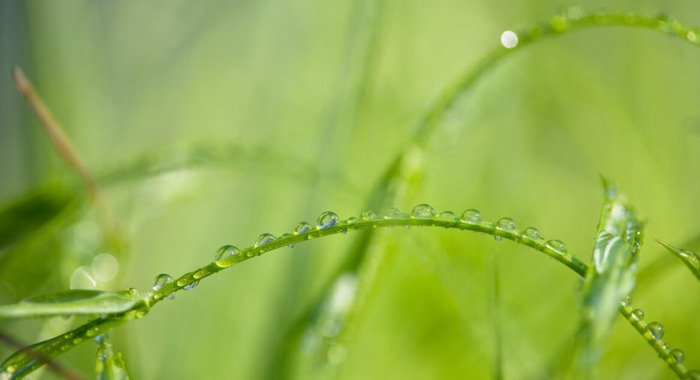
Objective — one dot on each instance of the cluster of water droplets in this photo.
(657, 331)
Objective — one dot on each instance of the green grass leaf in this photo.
(689, 258)
(77, 301)
(110, 364)
(612, 274)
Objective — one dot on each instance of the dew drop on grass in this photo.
(677, 355)
(368, 215)
(191, 285)
(472, 216)
(302, 228)
(656, 329)
(531, 233)
(557, 245)
(423, 211)
(390, 213)
(264, 239)
(448, 216)
(161, 280)
(506, 224)
(226, 251)
(627, 301)
(509, 39)
(327, 219)
(638, 314)
(351, 220)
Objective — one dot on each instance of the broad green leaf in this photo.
(110, 364)
(75, 301)
(689, 258)
(612, 274)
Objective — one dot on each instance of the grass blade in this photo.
(76, 301)
(689, 258)
(611, 276)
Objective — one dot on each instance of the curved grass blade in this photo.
(110, 364)
(612, 274)
(76, 301)
(689, 258)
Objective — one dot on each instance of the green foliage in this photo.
(322, 321)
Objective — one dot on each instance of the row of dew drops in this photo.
(563, 21)
(504, 226)
(657, 332)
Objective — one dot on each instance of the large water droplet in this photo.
(677, 355)
(531, 233)
(509, 39)
(638, 314)
(656, 329)
(368, 215)
(472, 216)
(226, 251)
(423, 211)
(264, 239)
(557, 245)
(191, 285)
(505, 224)
(327, 219)
(161, 280)
(302, 228)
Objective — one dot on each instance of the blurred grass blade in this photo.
(689, 258)
(75, 301)
(26, 215)
(110, 364)
(611, 276)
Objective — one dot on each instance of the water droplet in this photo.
(302, 228)
(556, 245)
(509, 39)
(505, 224)
(448, 216)
(191, 285)
(264, 239)
(368, 215)
(102, 354)
(390, 212)
(656, 329)
(198, 275)
(638, 314)
(351, 220)
(691, 36)
(497, 238)
(627, 301)
(161, 280)
(226, 251)
(423, 211)
(693, 375)
(531, 233)
(677, 355)
(327, 219)
(471, 216)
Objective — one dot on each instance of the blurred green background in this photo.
(286, 109)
